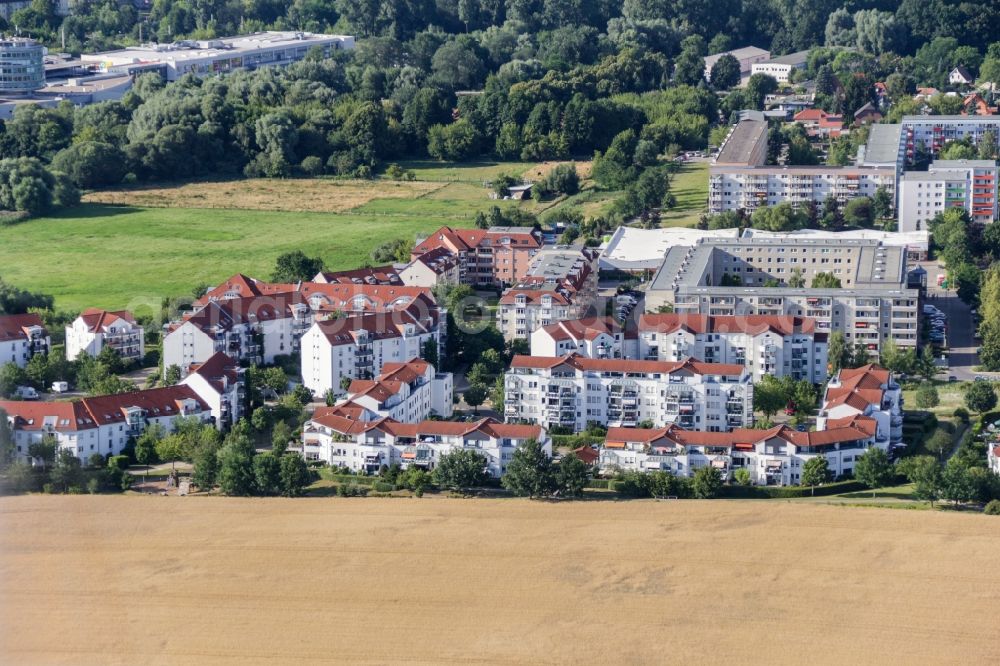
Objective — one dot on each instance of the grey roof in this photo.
(740, 144)
(797, 58)
(962, 164)
(946, 119)
(883, 144)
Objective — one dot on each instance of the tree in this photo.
(44, 451)
(706, 483)
(859, 212)
(145, 445)
(725, 72)
(206, 463)
(90, 164)
(882, 204)
(572, 476)
(172, 447)
(293, 474)
(296, 267)
(796, 281)
(769, 396)
(815, 472)
(236, 470)
(460, 469)
(957, 484)
(429, 352)
(980, 397)
(825, 281)
(837, 351)
(927, 396)
(742, 476)
(474, 396)
(924, 472)
(939, 443)
(457, 141)
(529, 473)
(7, 447)
(66, 472)
(874, 469)
(281, 434)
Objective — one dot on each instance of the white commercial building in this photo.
(572, 391)
(407, 392)
(21, 337)
(95, 329)
(967, 184)
(209, 57)
(632, 249)
(221, 384)
(780, 68)
(103, 424)
(781, 346)
(732, 188)
(364, 446)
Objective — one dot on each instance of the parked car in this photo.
(952, 378)
(26, 393)
(60, 387)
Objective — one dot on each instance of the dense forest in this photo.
(458, 79)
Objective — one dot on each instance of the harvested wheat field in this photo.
(303, 195)
(155, 580)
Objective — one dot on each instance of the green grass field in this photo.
(690, 186)
(468, 172)
(112, 257)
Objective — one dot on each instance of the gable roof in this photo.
(226, 314)
(219, 370)
(857, 387)
(583, 329)
(14, 327)
(384, 275)
(97, 320)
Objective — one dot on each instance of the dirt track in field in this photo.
(157, 580)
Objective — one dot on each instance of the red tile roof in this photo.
(384, 275)
(587, 454)
(858, 387)
(12, 327)
(217, 367)
(582, 329)
(860, 428)
(98, 320)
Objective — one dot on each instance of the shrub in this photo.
(48, 488)
(963, 414)
(383, 487)
(75, 490)
(992, 508)
(93, 485)
(352, 490)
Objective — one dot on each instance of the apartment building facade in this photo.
(221, 384)
(407, 392)
(572, 391)
(364, 446)
(559, 284)
(498, 256)
(431, 269)
(593, 337)
(21, 337)
(872, 304)
(868, 391)
(773, 457)
(732, 188)
(967, 184)
(929, 134)
(102, 424)
(777, 345)
(94, 329)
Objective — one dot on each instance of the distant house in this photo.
(867, 114)
(818, 122)
(960, 76)
(975, 104)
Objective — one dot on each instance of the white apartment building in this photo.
(932, 133)
(407, 392)
(358, 346)
(866, 391)
(560, 284)
(95, 329)
(364, 446)
(252, 329)
(967, 184)
(572, 391)
(873, 303)
(221, 384)
(773, 457)
(432, 268)
(778, 345)
(993, 459)
(733, 188)
(103, 424)
(780, 68)
(596, 337)
(21, 337)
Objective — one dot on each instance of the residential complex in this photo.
(432, 268)
(915, 243)
(498, 256)
(749, 188)
(407, 392)
(209, 57)
(967, 184)
(221, 383)
(95, 329)
(868, 391)
(873, 303)
(572, 391)
(21, 337)
(777, 345)
(559, 284)
(103, 424)
(773, 457)
(635, 250)
(931, 133)
(365, 446)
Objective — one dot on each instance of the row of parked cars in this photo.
(938, 324)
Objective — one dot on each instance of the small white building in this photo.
(95, 329)
(103, 424)
(221, 384)
(960, 76)
(746, 56)
(595, 337)
(364, 446)
(407, 392)
(21, 337)
(780, 68)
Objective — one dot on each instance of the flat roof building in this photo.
(746, 145)
(633, 249)
(967, 184)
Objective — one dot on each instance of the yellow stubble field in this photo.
(167, 580)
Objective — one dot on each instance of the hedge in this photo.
(788, 492)
(576, 441)
(383, 487)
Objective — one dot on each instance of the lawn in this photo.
(469, 172)
(690, 186)
(120, 257)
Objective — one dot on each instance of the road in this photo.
(962, 356)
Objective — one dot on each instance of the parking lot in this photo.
(960, 339)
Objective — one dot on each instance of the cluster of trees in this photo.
(772, 394)
(861, 212)
(706, 483)
(95, 376)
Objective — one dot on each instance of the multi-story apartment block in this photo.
(749, 188)
(432, 268)
(560, 284)
(572, 391)
(929, 134)
(96, 329)
(773, 457)
(407, 392)
(872, 304)
(595, 337)
(866, 391)
(778, 345)
(364, 446)
(21, 337)
(221, 384)
(498, 256)
(253, 329)
(103, 424)
(357, 346)
(966, 184)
